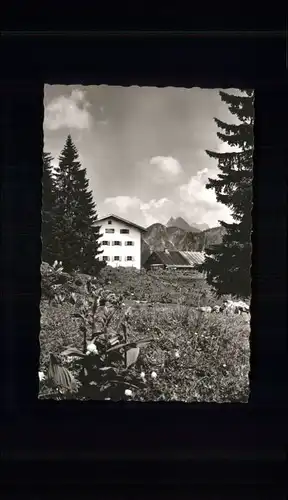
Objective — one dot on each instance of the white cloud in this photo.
(200, 203)
(125, 203)
(155, 210)
(78, 95)
(145, 213)
(154, 204)
(192, 201)
(122, 203)
(70, 112)
(226, 148)
(167, 168)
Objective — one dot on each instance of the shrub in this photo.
(101, 369)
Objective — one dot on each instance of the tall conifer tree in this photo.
(227, 266)
(47, 210)
(75, 237)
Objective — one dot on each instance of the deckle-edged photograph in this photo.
(146, 244)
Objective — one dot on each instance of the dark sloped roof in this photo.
(113, 216)
(179, 258)
(171, 258)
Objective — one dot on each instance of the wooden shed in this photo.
(174, 259)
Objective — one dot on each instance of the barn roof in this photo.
(178, 258)
(193, 258)
(171, 258)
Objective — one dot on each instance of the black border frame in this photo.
(201, 435)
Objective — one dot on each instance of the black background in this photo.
(60, 443)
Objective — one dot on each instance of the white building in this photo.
(120, 241)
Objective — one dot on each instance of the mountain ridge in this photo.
(159, 237)
(183, 224)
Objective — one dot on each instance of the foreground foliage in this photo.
(95, 347)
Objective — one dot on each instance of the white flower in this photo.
(224, 365)
(128, 312)
(92, 348)
(177, 354)
(41, 376)
(128, 392)
(142, 375)
(154, 375)
(195, 333)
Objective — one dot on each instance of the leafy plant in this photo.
(102, 369)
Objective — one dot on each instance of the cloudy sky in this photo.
(143, 148)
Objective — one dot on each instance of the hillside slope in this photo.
(180, 223)
(183, 224)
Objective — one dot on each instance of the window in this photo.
(124, 231)
(117, 243)
(129, 243)
(129, 257)
(109, 221)
(105, 242)
(109, 230)
(116, 257)
(105, 257)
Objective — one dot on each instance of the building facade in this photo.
(120, 241)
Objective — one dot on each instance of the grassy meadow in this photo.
(192, 357)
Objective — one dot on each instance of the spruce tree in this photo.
(227, 266)
(75, 238)
(47, 210)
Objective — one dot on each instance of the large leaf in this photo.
(118, 347)
(114, 337)
(100, 319)
(59, 375)
(128, 345)
(78, 315)
(143, 343)
(113, 341)
(73, 351)
(73, 298)
(124, 383)
(108, 371)
(132, 356)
